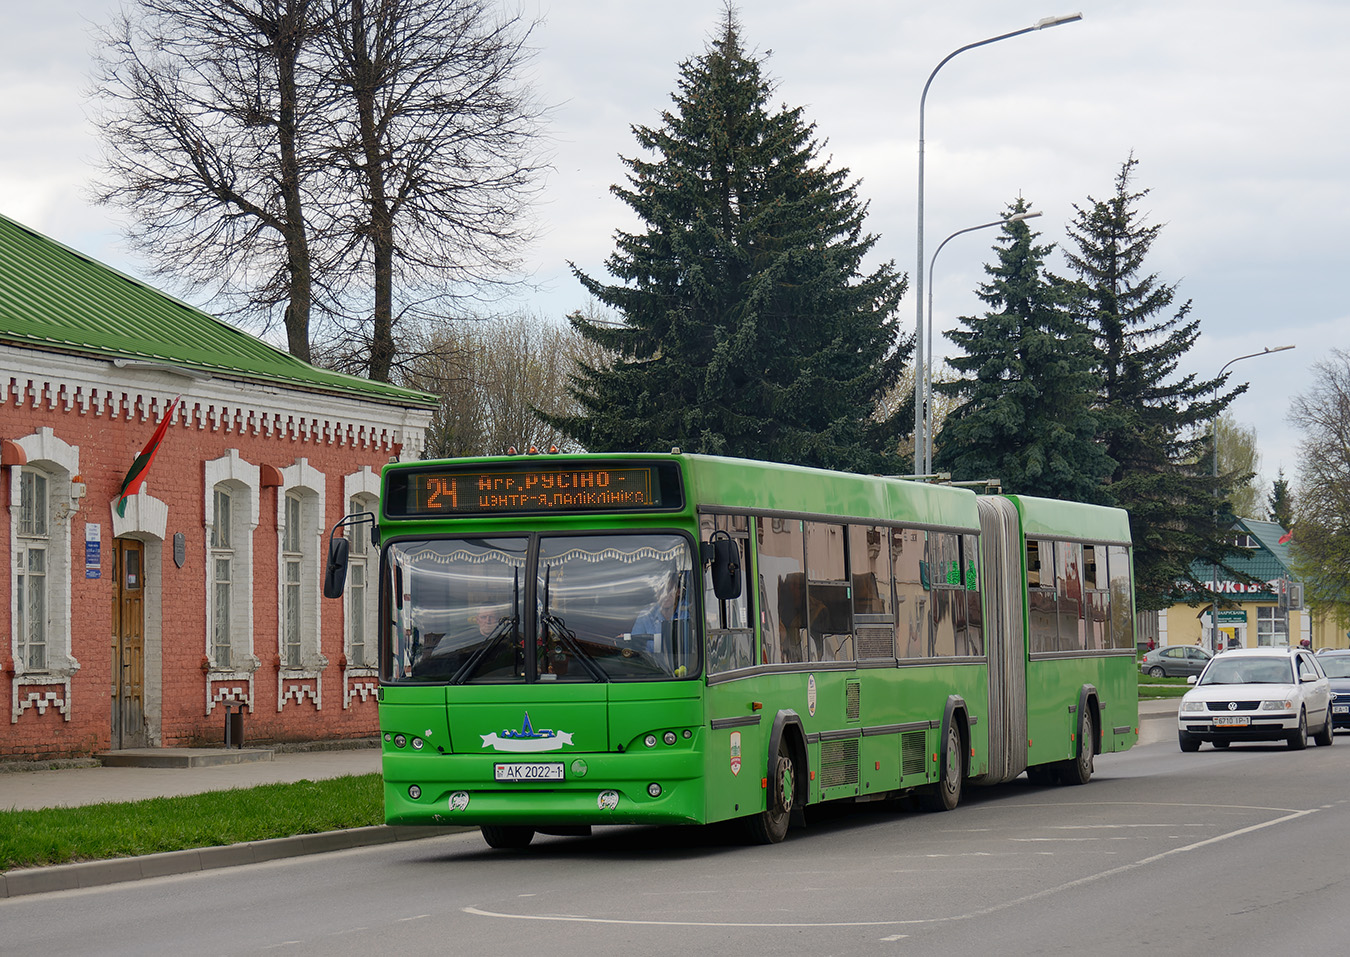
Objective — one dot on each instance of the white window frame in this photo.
(299, 632)
(237, 479)
(58, 463)
(1269, 619)
(361, 492)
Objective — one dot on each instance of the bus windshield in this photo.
(610, 607)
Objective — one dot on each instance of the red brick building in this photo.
(203, 597)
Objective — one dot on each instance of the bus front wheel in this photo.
(770, 825)
(507, 837)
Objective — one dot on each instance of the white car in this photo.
(1257, 694)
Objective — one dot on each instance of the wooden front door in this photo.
(128, 645)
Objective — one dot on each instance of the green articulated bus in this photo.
(576, 640)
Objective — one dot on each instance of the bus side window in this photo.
(944, 572)
(1069, 592)
(782, 582)
(912, 610)
(970, 559)
(731, 635)
(1041, 604)
(869, 556)
(1096, 599)
(829, 599)
(1121, 611)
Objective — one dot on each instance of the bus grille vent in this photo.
(852, 700)
(838, 763)
(876, 642)
(913, 753)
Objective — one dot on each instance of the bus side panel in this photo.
(736, 754)
(1052, 702)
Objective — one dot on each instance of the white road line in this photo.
(1050, 891)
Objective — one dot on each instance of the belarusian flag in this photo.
(136, 474)
(1287, 537)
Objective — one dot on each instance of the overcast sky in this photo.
(1236, 111)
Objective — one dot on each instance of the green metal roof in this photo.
(54, 298)
(1270, 559)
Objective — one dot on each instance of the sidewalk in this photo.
(203, 769)
(71, 787)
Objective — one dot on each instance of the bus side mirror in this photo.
(726, 567)
(335, 574)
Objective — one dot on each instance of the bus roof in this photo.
(1051, 518)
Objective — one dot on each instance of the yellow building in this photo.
(1269, 612)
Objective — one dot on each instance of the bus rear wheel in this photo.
(507, 837)
(1079, 770)
(946, 794)
(770, 825)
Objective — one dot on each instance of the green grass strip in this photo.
(129, 829)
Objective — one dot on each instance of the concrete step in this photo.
(182, 757)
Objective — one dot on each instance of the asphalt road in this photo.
(1237, 852)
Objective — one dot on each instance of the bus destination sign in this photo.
(465, 490)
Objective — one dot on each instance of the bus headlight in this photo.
(414, 792)
(654, 789)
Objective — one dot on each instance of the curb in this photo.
(64, 877)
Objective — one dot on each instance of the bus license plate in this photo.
(1340, 709)
(1232, 722)
(534, 771)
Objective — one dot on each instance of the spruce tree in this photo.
(1153, 422)
(748, 327)
(1025, 396)
(1281, 502)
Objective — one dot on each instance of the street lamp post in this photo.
(928, 382)
(1214, 566)
(919, 416)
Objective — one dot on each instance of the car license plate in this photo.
(1227, 722)
(1340, 709)
(534, 771)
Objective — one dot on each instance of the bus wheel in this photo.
(946, 794)
(507, 837)
(770, 825)
(1079, 770)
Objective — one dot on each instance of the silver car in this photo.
(1174, 661)
(1257, 694)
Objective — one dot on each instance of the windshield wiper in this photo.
(504, 627)
(552, 622)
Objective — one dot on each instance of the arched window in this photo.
(231, 517)
(361, 491)
(33, 545)
(42, 508)
(299, 543)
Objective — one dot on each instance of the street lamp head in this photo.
(1018, 217)
(1056, 21)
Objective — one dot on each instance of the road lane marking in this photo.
(1293, 815)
